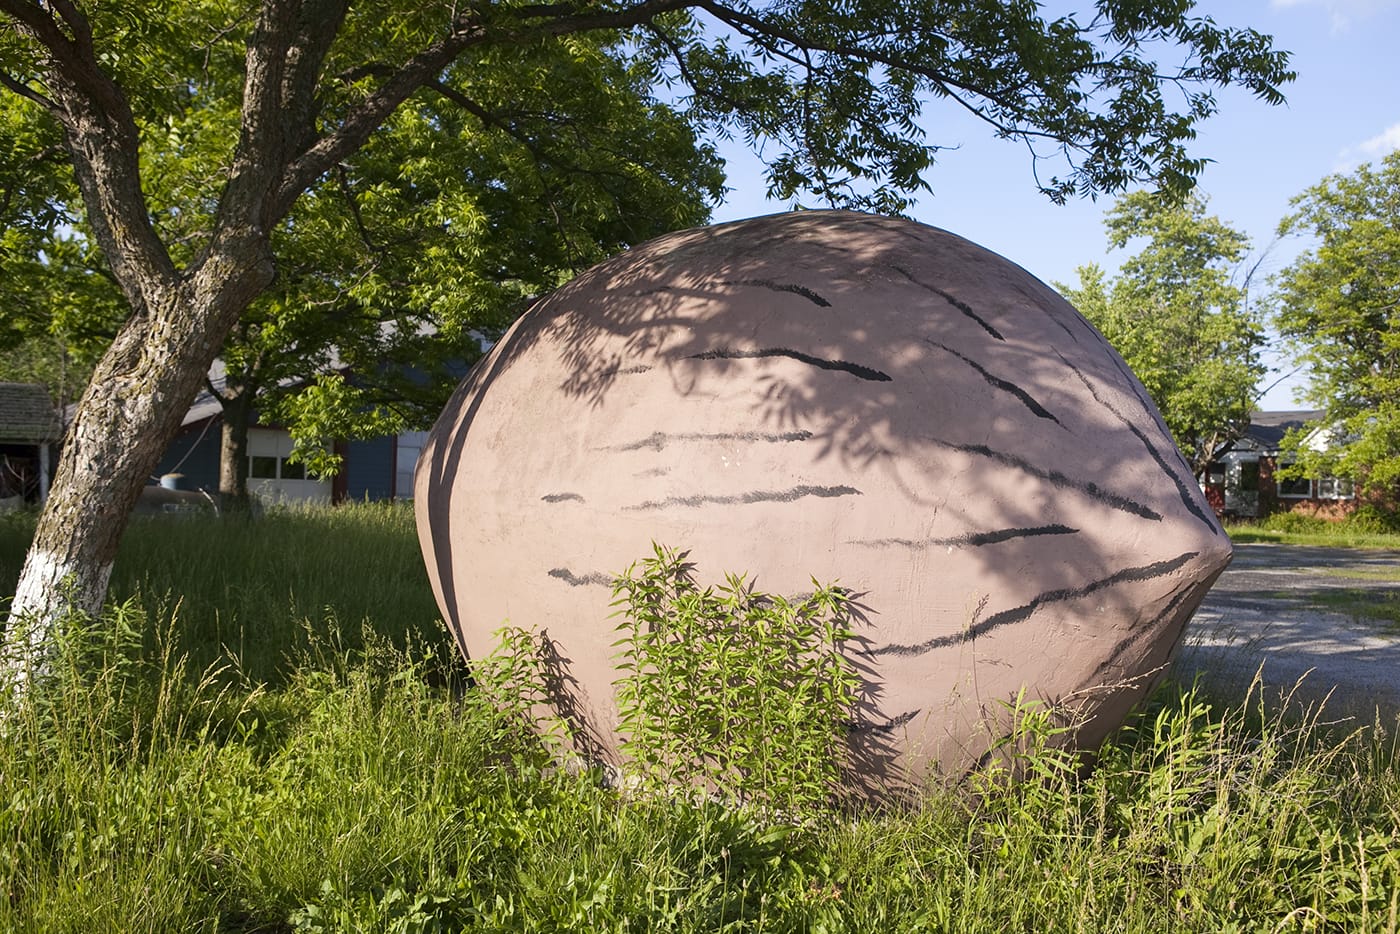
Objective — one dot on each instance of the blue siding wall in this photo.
(369, 469)
(196, 456)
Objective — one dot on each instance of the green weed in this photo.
(1366, 529)
(263, 590)
(1390, 574)
(729, 689)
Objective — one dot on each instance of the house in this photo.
(381, 468)
(1242, 480)
(30, 427)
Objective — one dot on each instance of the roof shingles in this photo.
(27, 414)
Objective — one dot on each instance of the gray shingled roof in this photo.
(27, 414)
(1266, 429)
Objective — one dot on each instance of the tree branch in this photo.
(101, 137)
(698, 87)
(344, 179)
(530, 145)
(355, 129)
(25, 91)
(77, 24)
(284, 59)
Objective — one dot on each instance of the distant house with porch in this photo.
(30, 429)
(1242, 480)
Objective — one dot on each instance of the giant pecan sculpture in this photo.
(839, 396)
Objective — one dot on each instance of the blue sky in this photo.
(1344, 109)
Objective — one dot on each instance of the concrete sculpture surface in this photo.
(839, 396)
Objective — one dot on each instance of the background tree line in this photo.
(1187, 313)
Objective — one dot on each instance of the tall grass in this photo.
(155, 785)
(262, 589)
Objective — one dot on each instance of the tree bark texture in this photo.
(126, 419)
(237, 411)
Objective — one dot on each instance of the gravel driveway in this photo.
(1303, 610)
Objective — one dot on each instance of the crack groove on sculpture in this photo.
(1045, 308)
(593, 578)
(772, 286)
(889, 726)
(768, 284)
(561, 497)
(953, 300)
(658, 440)
(855, 369)
(1089, 489)
(1187, 499)
(1025, 611)
(1025, 398)
(1129, 379)
(753, 496)
(974, 539)
(1143, 632)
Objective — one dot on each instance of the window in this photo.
(1295, 488)
(273, 477)
(267, 467)
(1335, 488)
(1249, 476)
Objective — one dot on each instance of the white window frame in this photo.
(409, 441)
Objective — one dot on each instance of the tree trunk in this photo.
(233, 451)
(126, 419)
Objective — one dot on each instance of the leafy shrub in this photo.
(1294, 522)
(1370, 519)
(731, 689)
(513, 686)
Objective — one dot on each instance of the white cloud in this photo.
(1377, 147)
(1343, 12)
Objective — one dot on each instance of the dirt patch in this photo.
(1328, 616)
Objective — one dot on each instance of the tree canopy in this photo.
(292, 90)
(1179, 318)
(60, 310)
(1338, 304)
(489, 188)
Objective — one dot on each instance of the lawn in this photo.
(267, 731)
(1366, 529)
